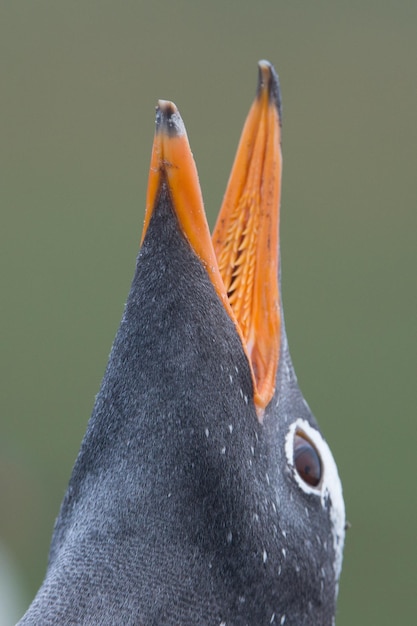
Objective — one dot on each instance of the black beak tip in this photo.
(168, 119)
(268, 79)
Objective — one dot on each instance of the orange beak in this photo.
(242, 257)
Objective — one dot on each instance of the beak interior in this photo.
(245, 237)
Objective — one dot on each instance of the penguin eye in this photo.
(307, 461)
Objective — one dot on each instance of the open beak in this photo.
(242, 257)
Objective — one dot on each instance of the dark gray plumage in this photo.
(182, 507)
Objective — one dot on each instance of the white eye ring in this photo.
(329, 487)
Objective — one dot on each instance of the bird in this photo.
(204, 492)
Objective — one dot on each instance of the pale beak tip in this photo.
(168, 119)
(268, 81)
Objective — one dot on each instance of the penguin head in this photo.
(204, 491)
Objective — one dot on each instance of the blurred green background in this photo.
(78, 86)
